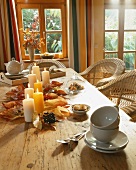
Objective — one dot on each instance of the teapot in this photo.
(14, 67)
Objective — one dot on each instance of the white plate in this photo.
(119, 142)
(14, 76)
(103, 150)
(7, 74)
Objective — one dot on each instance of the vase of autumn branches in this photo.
(31, 52)
(32, 42)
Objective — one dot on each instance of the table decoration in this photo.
(60, 55)
(31, 52)
(56, 55)
(29, 91)
(38, 86)
(36, 70)
(38, 101)
(16, 93)
(28, 107)
(45, 77)
(31, 79)
(31, 42)
(12, 110)
(50, 107)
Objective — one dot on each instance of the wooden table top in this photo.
(21, 148)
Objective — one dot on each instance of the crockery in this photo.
(106, 117)
(14, 76)
(103, 150)
(80, 109)
(119, 142)
(104, 135)
(74, 86)
(13, 66)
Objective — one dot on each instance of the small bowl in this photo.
(80, 109)
(106, 117)
(47, 57)
(104, 135)
(74, 86)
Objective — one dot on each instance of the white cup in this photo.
(104, 135)
(106, 117)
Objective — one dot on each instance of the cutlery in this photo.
(75, 138)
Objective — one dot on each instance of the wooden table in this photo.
(21, 148)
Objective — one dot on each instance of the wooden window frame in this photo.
(121, 7)
(41, 5)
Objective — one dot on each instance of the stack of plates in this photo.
(14, 76)
(116, 145)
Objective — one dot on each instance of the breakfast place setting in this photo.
(67, 112)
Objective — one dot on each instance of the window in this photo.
(120, 33)
(48, 22)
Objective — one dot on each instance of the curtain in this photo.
(9, 42)
(15, 30)
(79, 34)
(90, 32)
(4, 41)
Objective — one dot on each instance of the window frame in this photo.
(121, 7)
(40, 5)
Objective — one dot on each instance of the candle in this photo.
(36, 70)
(31, 79)
(38, 85)
(28, 106)
(56, 55)
(60, 55)
(39, 102)
(45, 77)
(29, 91)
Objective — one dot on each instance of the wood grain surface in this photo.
(23, 147)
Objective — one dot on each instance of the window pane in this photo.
(111, 19)
(54, 42)
(30, 19)
(129, 59)
(130, 19)
(53, 19)
(111, 41)
(112, 55)
(129, 40)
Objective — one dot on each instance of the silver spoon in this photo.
(75, 138)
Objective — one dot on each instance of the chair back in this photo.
(104, 71)
(47, 63)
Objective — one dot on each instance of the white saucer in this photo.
(119, 142)
(102, 150)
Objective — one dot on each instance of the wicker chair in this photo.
(48, 63)
(122, 91)
(104, 71)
